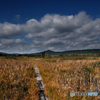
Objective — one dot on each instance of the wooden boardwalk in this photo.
(40, 84)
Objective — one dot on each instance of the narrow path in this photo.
(40, 84)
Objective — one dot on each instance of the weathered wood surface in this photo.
(40, 84)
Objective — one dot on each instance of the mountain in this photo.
(2, 54)
(49, 52)
(72, 52)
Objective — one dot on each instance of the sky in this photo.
(29, 26)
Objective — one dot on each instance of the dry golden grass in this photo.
(17, 78)
(62, 77)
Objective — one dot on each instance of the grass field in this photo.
(61, 75)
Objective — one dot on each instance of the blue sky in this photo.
(28, 9)
(37, 25)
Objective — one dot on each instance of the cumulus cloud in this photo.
(11, 41)
(53, 31)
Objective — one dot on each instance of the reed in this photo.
(60, 77)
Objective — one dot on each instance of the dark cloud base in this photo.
(53, 32)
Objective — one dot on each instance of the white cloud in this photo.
(53, 32)
(11, 41)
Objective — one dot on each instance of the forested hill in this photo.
(72, 52)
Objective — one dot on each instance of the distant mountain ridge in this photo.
(50, 52)
(2, 53)
(71, 52)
